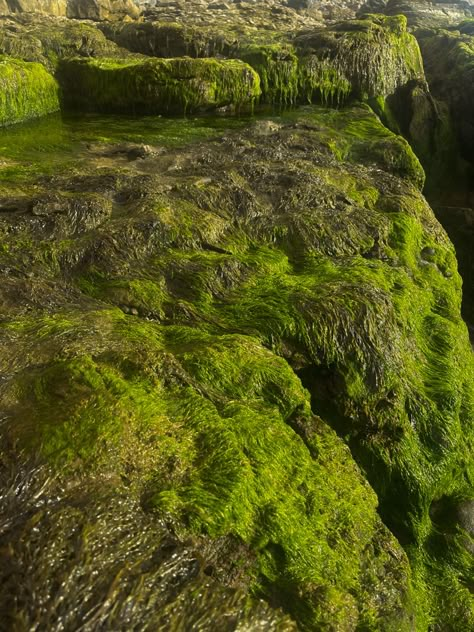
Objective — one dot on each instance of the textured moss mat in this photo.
(257, 337)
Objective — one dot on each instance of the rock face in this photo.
(449, 63)
(82, 9)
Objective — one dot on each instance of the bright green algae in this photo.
(27, 91)
(330, 263)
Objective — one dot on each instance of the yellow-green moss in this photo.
(27, 91)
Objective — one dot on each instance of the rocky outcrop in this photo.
(163, 346)
(82, 9)
(236, 388)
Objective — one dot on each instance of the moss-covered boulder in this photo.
(27, 91)
(372, 56)
(157, 85)
(165, 347)
(46, 40)
(173, 39)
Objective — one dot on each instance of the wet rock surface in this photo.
(163, 293)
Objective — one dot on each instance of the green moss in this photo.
(277, 66)
(306, 260)
(27, 91)
(373, 56)
(47, 40)
(205, 422)
(157, 85)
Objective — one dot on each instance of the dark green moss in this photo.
(157, 85)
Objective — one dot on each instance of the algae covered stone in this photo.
(157, 85)
(27, 91)
(374, 54)
(46, 40)
(257, 312)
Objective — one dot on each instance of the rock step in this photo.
(153, 86)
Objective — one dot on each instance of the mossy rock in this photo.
(374, 55)
(47, 40)
(168, 349)
(157, 85)
(170, 39)
(27, 91)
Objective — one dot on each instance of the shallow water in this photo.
(56, 143)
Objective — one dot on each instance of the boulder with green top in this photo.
(374, 55)
(157, 85)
